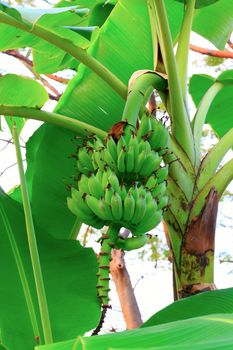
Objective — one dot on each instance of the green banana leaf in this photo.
(21, 92)
(213, 302)
(215, 22)
(47, 58)
(68, 271)
(220, 113)
(200, 3)
(211, 332)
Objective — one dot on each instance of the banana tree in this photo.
(96, 99)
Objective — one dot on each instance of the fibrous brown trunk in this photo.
(193, 258)
(197, 253)
(125, 290)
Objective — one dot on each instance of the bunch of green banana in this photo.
(121, 183)
(136, 154)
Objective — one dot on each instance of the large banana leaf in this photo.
(69, 277)
(212, 332)
(201, 3)
(214, 302)
(220, 113)
(181, 325)
(215, 22)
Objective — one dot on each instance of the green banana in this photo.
(83, 184)
(162, 202)
(134, 144)
(151, 163)
(151, 182)
(105, 210)
(93, 204)
(114, 182)
(108, 195)
(116, 206)
(108, 159)
(139, 162)
(134, 191)
(150, 202)
(98, 144)
(122, 192)
(144, 146)
(162, 173)
(82, 169)
(140, 210)
(95, 187)
(159, 137)
(129, 207)
(148, 225)
(142, 191)
(121, 143)
(129, 131)
(98, 160)
(151, 209)
(89, 219)
(106, 173)
(145, 127)
(129, 161)
(85, 159)
(159, 189)
(131, 243)
(121, 161)
(78, 198)
(112, 148)
(99, 175)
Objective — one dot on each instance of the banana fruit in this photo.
(121, 183)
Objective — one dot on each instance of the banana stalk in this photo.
(32, 243)
(108, 242)
(136, 94)
(75, 125)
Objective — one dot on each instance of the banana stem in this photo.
(75, 125)
(108, 241)
(181, 127)
(182, 52)
(21, 271)
(35, 259)
(75, 51)
(137, 93)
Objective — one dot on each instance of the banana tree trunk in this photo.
(193, 248)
